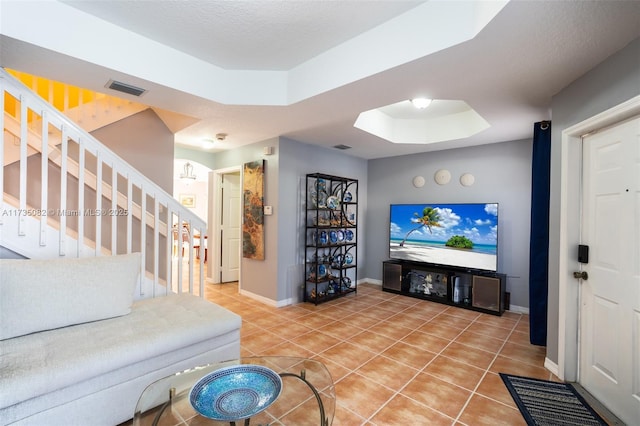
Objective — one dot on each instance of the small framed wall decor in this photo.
(188, 200)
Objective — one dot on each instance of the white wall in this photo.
(612, 82)
(198, 188)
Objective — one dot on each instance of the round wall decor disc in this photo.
(442, 177)
(467, 179)
(418, 181)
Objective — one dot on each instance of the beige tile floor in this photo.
(397, 360)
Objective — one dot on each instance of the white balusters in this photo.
(44, 179)
(114, 209)
(98, 206)
(156, 242)
(62, 214)
(58, 140)
(130, 214)
(180, 251)
(2, 210)
(143, 226)
(22, 197)
(190, 245)
(81, 191)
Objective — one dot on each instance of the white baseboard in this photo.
(552, 366)
(259, 298)
(370, 281)
(518, 309)
(266, 300)
(285, 302)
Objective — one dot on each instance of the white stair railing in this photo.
(66, 194)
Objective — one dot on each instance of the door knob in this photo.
(581, 275)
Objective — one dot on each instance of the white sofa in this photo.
(76, 349)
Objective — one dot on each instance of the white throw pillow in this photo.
(38, 295)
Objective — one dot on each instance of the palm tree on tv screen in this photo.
(429, 218)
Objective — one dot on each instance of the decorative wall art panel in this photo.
(253, 214)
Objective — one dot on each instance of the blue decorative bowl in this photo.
(322, 271)
(236, 392)
(333, 202)
(324, 238)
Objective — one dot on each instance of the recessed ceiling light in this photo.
(208, 143)
(421, 103)
(443, 120)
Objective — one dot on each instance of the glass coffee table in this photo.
(306, 397)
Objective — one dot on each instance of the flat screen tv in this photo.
(456, 235)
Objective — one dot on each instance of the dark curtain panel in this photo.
(539, 240)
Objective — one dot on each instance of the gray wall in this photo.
(615, 80)
(259, 277)
(145, 142)
(280, 275)
(502, 174)
(296, 161)
(5, 253)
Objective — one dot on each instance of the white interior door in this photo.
(610, 296)
(230, 228)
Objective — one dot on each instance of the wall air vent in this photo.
(342, 147)
(125, 88)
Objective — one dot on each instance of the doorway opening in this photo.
(225, 218)
(571, 175)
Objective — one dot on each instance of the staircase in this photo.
(88, 109)
(64, 194)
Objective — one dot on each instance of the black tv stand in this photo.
(476, 290)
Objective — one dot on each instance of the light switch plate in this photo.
(268, 210)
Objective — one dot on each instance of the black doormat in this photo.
(545, 403)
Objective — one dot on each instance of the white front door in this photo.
(230, 228)
(610, 296)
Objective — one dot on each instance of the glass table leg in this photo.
(303, 376)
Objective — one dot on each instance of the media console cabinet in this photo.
(475, 290)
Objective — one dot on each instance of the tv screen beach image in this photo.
(460, 235)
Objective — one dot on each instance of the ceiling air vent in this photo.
(125, 88)
(342, 147)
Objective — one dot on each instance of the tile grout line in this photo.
(420, 371)
(380, 319)
(474, 391)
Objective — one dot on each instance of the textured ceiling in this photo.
(306, 69)
(247, 35)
